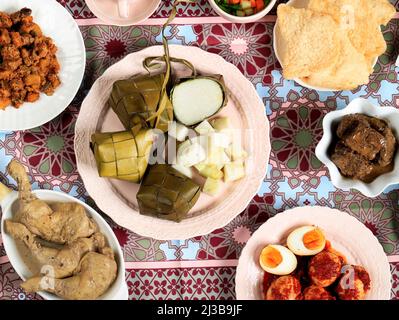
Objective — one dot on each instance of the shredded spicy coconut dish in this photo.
(28, 62)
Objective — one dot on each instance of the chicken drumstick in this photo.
(95, 274)
(64, 225)
(61, 262)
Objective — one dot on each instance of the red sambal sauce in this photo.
(329, 248)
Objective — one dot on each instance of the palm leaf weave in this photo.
(123, 155)
(165, 193)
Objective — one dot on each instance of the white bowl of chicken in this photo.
(59, 246)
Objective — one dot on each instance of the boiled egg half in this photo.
(278, 260)
(306, 241)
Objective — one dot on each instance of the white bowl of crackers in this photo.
(331, 45)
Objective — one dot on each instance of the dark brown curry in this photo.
(364, 147)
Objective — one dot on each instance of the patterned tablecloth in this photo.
(204, 267)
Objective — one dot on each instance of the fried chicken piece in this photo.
(17, 39)
(11, 57)
(60, 262)
(93, 277)
(4, 37)
(4, 102)
(10, 52)
(16, 85)
(33, 81)
(29, 27)
(12, 64)
(5, 20)
(4, 98)
(5, 75)
(52, 83)
(65, 224)
(17, 17)
(32, 96)
(41, 49)
(22, 71)
(25, 51)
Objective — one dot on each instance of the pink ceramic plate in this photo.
(347, 235)
(108, 11)
(118, 199)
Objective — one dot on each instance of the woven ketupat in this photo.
(123, 155)
(140, 96)
(165, 193)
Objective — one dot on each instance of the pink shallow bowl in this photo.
(107, 11)
(346, 234)
(118, 199)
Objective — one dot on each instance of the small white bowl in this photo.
(389, 114)
(248, 19)
(117, 291)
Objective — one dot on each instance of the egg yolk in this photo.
(271, 257)
(314, 239)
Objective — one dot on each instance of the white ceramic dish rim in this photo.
(297, 80)
(363, 106)
(242, 286)
(117, 291)
(248, 19)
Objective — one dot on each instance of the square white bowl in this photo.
(375, 188)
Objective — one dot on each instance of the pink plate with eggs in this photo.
(346, 234)
(118, 199)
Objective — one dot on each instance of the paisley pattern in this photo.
(295, 176)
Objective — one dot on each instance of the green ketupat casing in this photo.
(167, 194)
(140, 96)
(123, 155)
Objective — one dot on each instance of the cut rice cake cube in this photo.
(203, 164)
(219, 139)
(204, 128)
(217, 156)
(178, 131)
(183, 170)
(212, 186)
(220, 124)
(236, 152)
(234, 171)
(190, 154)
(209, 171)
(203, 140)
